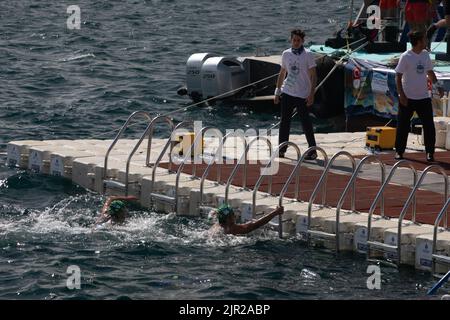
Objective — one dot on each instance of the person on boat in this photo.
(419, 13)
(435, 26)
(388, 8)
(227, 221)
(295, 88)
(388, 11)
(443, 23)
(412, 73)
(114, 210)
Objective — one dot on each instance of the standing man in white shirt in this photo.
(297, 89)
(412, 71)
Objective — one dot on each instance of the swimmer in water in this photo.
(114, 210)
(227, 221)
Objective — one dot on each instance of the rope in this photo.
(186, 108)
(249, 85)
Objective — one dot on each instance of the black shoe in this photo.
(430, 157)
(311, 156)
(398, 156)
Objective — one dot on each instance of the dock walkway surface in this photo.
(82, 161)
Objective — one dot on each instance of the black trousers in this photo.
(288, 103)
(424, 110)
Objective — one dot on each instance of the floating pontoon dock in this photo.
(346, 199)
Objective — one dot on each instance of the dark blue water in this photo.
(130, 55)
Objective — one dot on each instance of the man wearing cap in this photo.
(114, 210)
(227, 220)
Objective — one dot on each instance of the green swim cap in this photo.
(116, 206)
(223, 212)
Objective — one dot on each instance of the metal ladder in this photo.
(350, 185)
(244, 157)
(269, 191)
(148, 131)
(438, 258)
(322, 183)
(219, 155)
(169, 144)
(293, 174)
(105, 177)
(380, 193)
(174, 200)
(266, 173)
(397, 248)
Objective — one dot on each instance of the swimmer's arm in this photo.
(253, 225)
(112, 198)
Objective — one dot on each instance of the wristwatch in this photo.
(277, 92)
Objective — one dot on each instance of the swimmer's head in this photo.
(223, 213)
(116, 207)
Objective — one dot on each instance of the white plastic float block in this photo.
(135, 176)
(61, 161)
(185, 184)
(440, 124)
(408, 242)
(424, 247)
(189, 189)
(147, 186)
(196, 208)
(116, 164)
(164, 185)
(300, 209)
(18, 152)
(379, 226)
(347, 227)
(39, 157)
(210, 190)
(84, 171)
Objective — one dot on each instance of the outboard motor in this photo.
(220, 75)
(193, 79)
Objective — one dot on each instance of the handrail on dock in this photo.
(197, 139)
(410, 199)
(351, 184)
(169, 143)
(294, 172)
(148, 131)
(381, 193)
(119, 134)
(244, 157)
(323, 181)
(300, 162)
(219, 154)
(263, 175)
(443, 213)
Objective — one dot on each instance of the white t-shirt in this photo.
(414, 68)
(297, 82)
